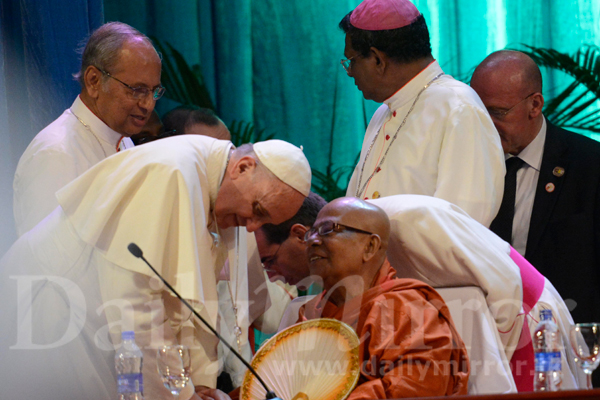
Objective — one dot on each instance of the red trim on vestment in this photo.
(522, 362)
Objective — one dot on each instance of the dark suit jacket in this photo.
(564, 233)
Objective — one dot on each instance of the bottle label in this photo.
(545, 362)
(130, 383)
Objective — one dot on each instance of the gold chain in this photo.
(237, 331)
(91, 131)
(359, 190)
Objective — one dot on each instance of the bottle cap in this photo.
(546, 315)
(127, 335)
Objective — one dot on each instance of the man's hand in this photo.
(207, 393)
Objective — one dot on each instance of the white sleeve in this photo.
(37, 179)
(471, 166)
(436, 242)
(269, 321)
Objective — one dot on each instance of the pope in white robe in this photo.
(69, 286)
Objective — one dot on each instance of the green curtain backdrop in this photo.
(273, 63)
(276, 63)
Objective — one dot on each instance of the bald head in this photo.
(362, 215)
(509, 69)
(509, 84)
(347, 246)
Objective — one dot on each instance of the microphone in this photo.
(137, 252)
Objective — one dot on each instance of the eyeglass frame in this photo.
(348, 61)
(335, 227)
(503, 113)
(157, 91)
(271, 259)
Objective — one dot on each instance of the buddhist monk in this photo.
(409, 346)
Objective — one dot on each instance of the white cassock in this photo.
(62, 151)
(448, 147)
(436, 242)
(69, 286)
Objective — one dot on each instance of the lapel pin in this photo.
(550, 187)
(558, 171)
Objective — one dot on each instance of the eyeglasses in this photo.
(346, 63)
(269, 261)
(329, 227)
(499, 113)
(141, 92)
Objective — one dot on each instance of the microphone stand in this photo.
(137, 252)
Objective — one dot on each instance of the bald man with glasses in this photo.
(120, 84)
(551, 207)
(409, 345)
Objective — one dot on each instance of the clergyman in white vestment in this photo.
(69, 286)
(436, 242)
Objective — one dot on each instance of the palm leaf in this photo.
(184, 83)
(334, 182)
(551, 106)
(244, 132)
(328, 184)
(576, 107)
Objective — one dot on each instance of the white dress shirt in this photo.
(527, 178)
(61, 152)
(448, 147)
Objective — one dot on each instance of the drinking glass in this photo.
(174, 367)
(585, 341)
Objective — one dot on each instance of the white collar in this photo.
(216, 167)
(532, 154)
(412, 88)
(96, 125)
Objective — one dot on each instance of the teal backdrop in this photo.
(273, 63)
(277, 63)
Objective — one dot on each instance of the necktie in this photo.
(502, 224)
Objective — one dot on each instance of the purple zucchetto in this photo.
(379, 15)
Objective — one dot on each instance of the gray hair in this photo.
(102, 48)
(247, 149)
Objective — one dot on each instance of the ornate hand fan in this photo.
(312, 360)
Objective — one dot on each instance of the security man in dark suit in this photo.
(550, 211)
(551, 206)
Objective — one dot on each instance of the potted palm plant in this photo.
(576, 107)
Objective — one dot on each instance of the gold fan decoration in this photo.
(312, 360)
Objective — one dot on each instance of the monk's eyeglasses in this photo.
(329, 227)
(499, 113)
(141, 92)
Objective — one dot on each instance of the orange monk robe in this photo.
(409, 346)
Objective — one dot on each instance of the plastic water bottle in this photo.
(547, 346)
(128, 363)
